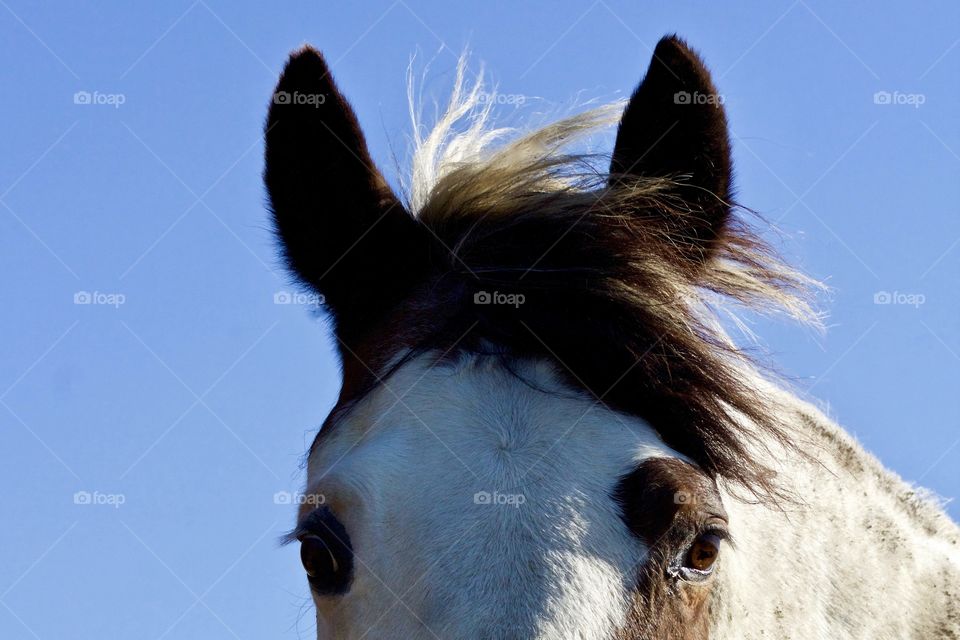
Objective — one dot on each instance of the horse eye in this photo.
(317, 558)
(326, 554)
(702, 554)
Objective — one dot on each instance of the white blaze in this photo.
(480, 507)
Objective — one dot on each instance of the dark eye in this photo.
(317, 558)
(325, 553)
(702, 554)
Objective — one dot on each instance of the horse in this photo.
(545, 429)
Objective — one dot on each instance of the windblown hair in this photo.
(603, 279)
(617, 274)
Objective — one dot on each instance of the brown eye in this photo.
(703, 553)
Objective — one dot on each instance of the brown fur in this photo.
(666, 503)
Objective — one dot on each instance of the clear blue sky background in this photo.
(195, 398)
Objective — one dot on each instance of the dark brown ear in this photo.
(342, 229)
(675, 126)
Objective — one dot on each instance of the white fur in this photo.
(861, 557)
(402, 475)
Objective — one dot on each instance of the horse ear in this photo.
(675, 127)
(342, 229)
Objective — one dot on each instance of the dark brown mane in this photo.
(611, 274)
(606, 298)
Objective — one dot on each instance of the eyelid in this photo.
(720, 531)
(304, 527)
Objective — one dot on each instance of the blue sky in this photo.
(181, 398)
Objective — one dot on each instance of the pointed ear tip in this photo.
(673, 52)
(673, 47)
(306, 49)
(672, 43)
(306, 57)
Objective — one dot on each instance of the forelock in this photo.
(605, 292)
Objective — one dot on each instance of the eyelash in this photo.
(719, 530)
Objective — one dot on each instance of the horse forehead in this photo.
(479, 484)
(478, 424)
